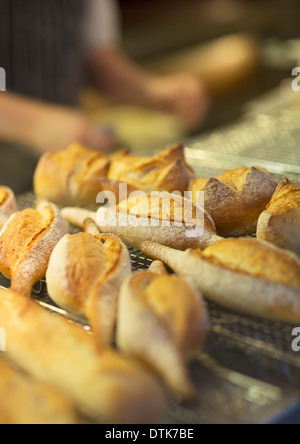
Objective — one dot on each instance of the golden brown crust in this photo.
(246, 275)
(26, 243)
(8, 205)
(31, 226)
(62, 354)
(71, 176)
(279, 224)
(167, 171)
(180, 308)
(26, 401)
(256, 259)
(285, 198)
(3, 196)
(103, 254)
(236, 198)
(111, 190)
(76, 175)
(162, 320)
(84, 277)
(177, 152)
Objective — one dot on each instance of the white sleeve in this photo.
(101, 25)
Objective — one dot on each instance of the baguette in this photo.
(158, 267)
(27, 401)
(84, 277)
(26, 243)
(167, 171)
(162, 320)
(164, 218)
(235, 199)
(279, 224)
(72, 176)
(100, 383)
(8, 205)
(244, 275)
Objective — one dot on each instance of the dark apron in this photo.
(40, 48)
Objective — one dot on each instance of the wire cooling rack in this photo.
(248, 372)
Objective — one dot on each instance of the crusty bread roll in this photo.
(280, 222)
(26, 401)
(167, 171)
(84, 277)
(8, 205)
(165, 218)
(101, 383)
(26, 243)
(243, 274)
(72, 176)
(162, 320)
(235, 199)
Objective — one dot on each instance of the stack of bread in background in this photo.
(237, 246)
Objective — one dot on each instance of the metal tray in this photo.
(248, 372)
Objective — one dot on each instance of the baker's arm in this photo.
(45, 127)
(114, 74)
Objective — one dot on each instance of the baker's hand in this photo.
(180, 95)
(55, 128)
(46, 127)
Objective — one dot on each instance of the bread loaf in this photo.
(279, 224)
(162, 320)
(8, 205)
(26, 401)
(245, 275)
(165, 218)
(167, 171)
(26, 243)
(102, 384)
(72, 176)
(84, 277)
(235, 199)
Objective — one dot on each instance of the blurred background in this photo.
(243, 50)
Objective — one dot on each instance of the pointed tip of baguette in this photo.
(181, 385)
(149, 248)
(77, 216)
(158, 267)
(90, 226)
(167, 255)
